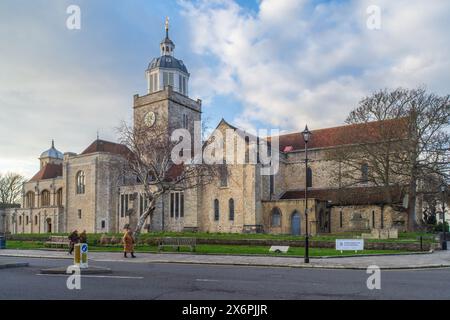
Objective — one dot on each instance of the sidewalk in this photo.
(413, 261)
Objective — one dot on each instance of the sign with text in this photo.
(350, 244)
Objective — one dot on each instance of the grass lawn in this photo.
(403, 236)
(212, 249)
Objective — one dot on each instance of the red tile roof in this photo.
(349, 196)
(107, 146)
(344, 135)
(49, 171)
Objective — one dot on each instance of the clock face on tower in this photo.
(149, 119)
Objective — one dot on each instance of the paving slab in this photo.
(437, 259)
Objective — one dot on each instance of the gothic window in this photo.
(181, 205)
(45, 198)
(28, 219)
(80, 182)
(176, 205)
(373, 219)
(151, 83)
(30, 199)
(309, 176)
(340, 219)
(155, 82)
(185, 121)
(165, 79)
(20, 220)
(364, 173)
(35, 220)
(271, 185)
(231, 209)
(276, 217)
(59, 197)
(79, 213)
(223, 175)
(216, 210)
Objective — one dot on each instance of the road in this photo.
(131, 280)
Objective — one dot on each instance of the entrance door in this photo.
(295, 223)
(49, 227)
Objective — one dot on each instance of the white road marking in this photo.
(207, 280)
(89, 276)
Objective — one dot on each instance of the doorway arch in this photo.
(295, 223)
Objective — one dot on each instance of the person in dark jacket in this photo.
(83, 237)
(74, 238)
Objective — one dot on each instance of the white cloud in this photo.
(294, 62)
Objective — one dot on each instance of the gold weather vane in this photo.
(167, 24)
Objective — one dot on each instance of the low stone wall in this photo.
(406, 246)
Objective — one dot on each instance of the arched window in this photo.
(30, 199)
(80, 182)
(45, 198)
(231, 208)
(35, 220)
(59, 195)
(275, 219)
(309, 175)
(223, 175)
(364, 173)
(216, 210)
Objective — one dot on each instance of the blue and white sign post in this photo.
(84, 255)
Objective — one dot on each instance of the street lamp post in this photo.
(444, 240)
(306, 135)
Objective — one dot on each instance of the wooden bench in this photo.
(57, 241)
(177, 243)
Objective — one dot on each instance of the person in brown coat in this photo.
(128, 244)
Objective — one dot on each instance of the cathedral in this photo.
(86, 191)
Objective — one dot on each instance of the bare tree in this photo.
(409, 142)
(10, 187)
(150, 163)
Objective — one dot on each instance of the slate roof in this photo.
(49, 171)
(168, 62)
(349, 196)
(345, 135)
(107, 146)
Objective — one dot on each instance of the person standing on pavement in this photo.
(74, 238)
(128, 243)
(83, 237)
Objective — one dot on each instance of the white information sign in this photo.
(350, 244)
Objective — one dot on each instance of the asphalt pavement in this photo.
(196, 281)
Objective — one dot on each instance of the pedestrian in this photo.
(128, 243)
(83, 237)
(74, 238)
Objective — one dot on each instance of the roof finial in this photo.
(53, 143)
(167, 27)
(98, 136)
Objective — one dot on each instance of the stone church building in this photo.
(86, 191)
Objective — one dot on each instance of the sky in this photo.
(268, 64)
